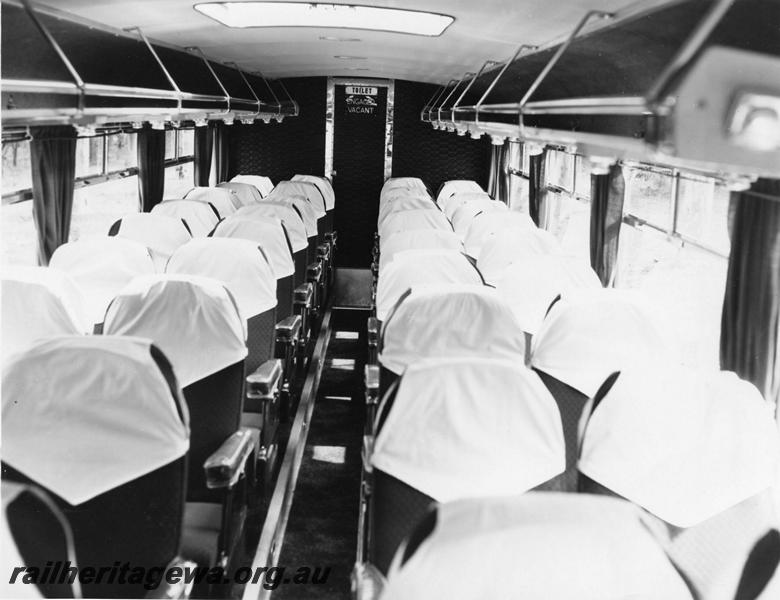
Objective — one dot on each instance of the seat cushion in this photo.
(202, 522)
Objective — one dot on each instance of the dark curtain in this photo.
(751, 307)
(221, 151)
(536, 184)
(204, 142)
(496, 181)
(151, 167)
(606, 215)
(53, 156)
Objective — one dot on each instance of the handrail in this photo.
(469, 86)
(435, 96)
(165, 71)
(196, 50)
(457, 85)
(478, 105)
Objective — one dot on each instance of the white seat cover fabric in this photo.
(302, 188)
(421, 267)
(239, 264)
(396, 194)
(263, 184)
(468, 427)
(513, 245)
(407, 220)
(199, 216)
(454, 186)
(485, 225)
(684, 444)
(38, 302)
(538, 546)
(268, 233)
(403, 183)
(299, 204)
(223, 199)
(160, 233)
(193, 320)
(322, 183)
(293, 222)
(101, 267)
(464, 215)
(404, 203)
(417, 239)
(589, 335)
(245, 193)
(101, 416)
(530, 287)
(451, 204)
(449, 320)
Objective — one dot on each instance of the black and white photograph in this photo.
(392, 300)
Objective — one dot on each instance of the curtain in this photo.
(204, 141)
(536, 184)
(53, 156)
(151, 167)
(751, 306)
(606, 216)
(495, 181)
(222, 151)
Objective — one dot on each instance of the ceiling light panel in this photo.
(341, 16)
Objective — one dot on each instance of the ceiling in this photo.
(483, 30)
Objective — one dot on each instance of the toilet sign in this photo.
(361, 100)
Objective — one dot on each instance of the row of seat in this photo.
(167, 421)
(517, 410)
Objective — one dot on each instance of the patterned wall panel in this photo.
(280, 150)
(433, 156)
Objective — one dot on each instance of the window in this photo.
(703, 213)
(649, 196)
(89, 156)
(186, 142)
(581, 177)
(97, 206)
(121, 150)
(568, 219)
(170, 144)
(179, 180)
(17, 171)
(559, 170)
(18, 239)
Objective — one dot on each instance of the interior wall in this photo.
(297, 145)
(433, 156)
(280, 150)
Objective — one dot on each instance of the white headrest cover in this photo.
(266, 232)
(416, 239)
(245, 193)
(308, 190)
(684, 444)
(588, 336)
(101, 416)
(467, 427)
(529, 287)
(293, 222)
(394, 195)
(239, 264)
(451, 204)
(450, 320)
(301, 205)
(421, 267)
(454, 186)
(160, 233)
(485, 225)
(263, 184)
(223, 199)
(403, 203)
(407, 220)
(101, 267)
(323, 185)
(408, 183)
(181, 314)
(464, 215)
(39, 302)
(513, 245)
(548, 545)
(200, 216)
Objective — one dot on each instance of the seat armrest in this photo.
(178, 589)
(373, 332)
(288, 329)
(367, 582)
(332, 237)
(303, 294)
(372, 383)
(264, 382)
(323, 251)
(225, 466)
(313, 272)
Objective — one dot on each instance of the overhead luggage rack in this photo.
(49, 76)
(690, 83)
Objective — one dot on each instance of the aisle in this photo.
(322, 528)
